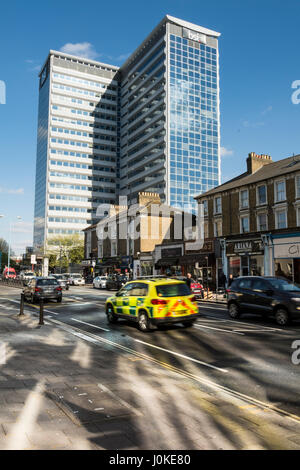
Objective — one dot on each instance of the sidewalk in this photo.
(58, 391)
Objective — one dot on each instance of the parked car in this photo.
(62, 280)
(153, 301)
(99, 282)
(195, 286)
(115, 281)
(42, 288)
(9, 274)
(76, 279)
(268, 296)
(26, 275)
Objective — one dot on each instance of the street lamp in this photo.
(10, 229)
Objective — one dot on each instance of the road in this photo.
(248, 359)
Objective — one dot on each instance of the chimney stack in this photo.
(255, 162)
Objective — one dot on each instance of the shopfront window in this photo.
(284, 268)
(257, 265)
(234, 265)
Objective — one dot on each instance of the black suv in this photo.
(269, 296)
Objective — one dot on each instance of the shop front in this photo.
(117, 264)
(245, 257)
(167, 260)
(286, 256)
(201, 264)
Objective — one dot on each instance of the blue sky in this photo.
(259, 61)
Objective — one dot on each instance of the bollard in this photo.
(41, 321)
(22, 305)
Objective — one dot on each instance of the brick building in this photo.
(125, 239)
(256, 218)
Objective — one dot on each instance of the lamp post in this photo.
(10, 229)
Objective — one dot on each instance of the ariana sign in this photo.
(193, 35)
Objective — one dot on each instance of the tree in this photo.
(4, 258)
(63, 250)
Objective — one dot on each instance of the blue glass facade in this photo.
(194, 120)
(41, 162)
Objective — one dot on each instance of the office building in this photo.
(151, 125)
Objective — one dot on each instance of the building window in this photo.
(297, 181)
(218, 205)
(245, 224)
(280, 191)
(205, 208)
(100, 249)
(205, 229)
(218, 228)
(281, 220)
(262, 195)
(113, 248)
(244, 199)
(298, 216)
(262, 222)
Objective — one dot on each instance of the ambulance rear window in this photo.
(172, 290)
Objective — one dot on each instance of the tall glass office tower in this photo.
(151, 125)
(170, 124)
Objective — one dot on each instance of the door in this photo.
(137, 297)
(243, 290)
(261, 300)
(122, 299)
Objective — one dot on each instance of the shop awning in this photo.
(167, 262)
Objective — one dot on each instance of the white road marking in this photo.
(179, 355)
(79, 305)
(122, 402)
(247, 324)
(90, 337)
(218, 329)
(90, 324)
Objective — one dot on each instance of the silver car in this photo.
(62, 280)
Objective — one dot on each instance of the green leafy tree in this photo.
(4, 258)
(63, 250)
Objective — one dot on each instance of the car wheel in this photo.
(111, 317)
(233, 311)
(282, 317)
(144, 322)
(188, 324)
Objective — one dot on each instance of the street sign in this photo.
(33, 259)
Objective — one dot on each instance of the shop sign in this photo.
(170, 252)
(246, 247)
(287, 248)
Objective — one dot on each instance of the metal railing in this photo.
(11, 282)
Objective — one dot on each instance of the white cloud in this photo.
(81, 49)
(267, 110)
(226, 152)
(122, 57)
(11, 191)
